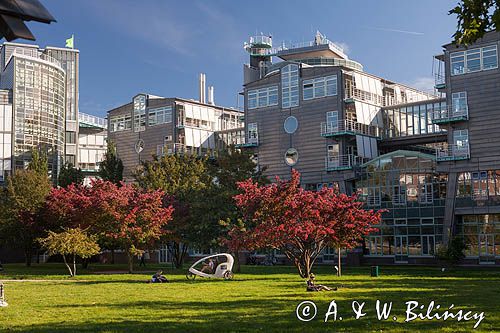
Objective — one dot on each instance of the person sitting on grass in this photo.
(158, 277)
(316, 287)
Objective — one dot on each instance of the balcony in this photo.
(342, 162)
(349, 127)
(249, 142)
(181, 149)
(440, 81)
(453, 153)
(450, 114)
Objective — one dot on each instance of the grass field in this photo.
(43, 299)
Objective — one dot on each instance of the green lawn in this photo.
(258, 299)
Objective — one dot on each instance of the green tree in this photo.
(71, 242)
(183, 177)
(70, 175)
(220, 214)
(39, 162)
(475, 18)
(111, 168)
(23, 198)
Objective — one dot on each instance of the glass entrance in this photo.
(401, 249)
(487, 248)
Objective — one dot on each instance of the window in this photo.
(252, 134)
(319, 87)
(139, 113)
(291, 157)
(120, 123)
(290, 86)
(427, 220)
(399, 195)
(428, 245)
(375, 245)
(461, 138)
(332, 121)
(489, 55)
(426, 194)
(459, 102)
(400, 222)
(474, 60)
(373, 198)
(264, 97)
(160, 116)
(479, 184)
(291, 124)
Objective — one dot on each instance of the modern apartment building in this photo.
(39, 109)
(430, 159)
(152, 125)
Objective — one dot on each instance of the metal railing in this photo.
(348, 126)
(362, 95)
(342, 162)
(92, 120)
(439, 80)
(180, 148)
(447, 113)
(453, 153)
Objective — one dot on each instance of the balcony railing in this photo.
(348, 127)
(249, 142)
(362, 95)
(440, 81)
(180, 148)
(450, 113)
(453, 153)
(342, 162)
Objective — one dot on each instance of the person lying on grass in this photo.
(158, 277)
(316, 287)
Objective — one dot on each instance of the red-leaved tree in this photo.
(125, 215)
(300, 223)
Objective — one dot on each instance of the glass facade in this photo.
(39, 107)
(481, 234)
(406, 184)
(411, 120)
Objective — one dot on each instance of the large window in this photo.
(260, 98)
(120, 123)
(160, 116)
(319, 87)
(474, 60)
(290, 86)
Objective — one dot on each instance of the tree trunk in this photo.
(74, 264)
(339, 272)
(237, 262)
(112, 256)
(178, 251)
(68, 266)
(130, 262)
(27, 256)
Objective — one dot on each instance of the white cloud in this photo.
(423, 83)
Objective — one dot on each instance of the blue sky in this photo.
(160, 46)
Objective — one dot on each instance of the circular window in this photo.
(291, 124)
(291, 156)
(139, 146)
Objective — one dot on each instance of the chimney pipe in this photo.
(202, 88)
(211, 100)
